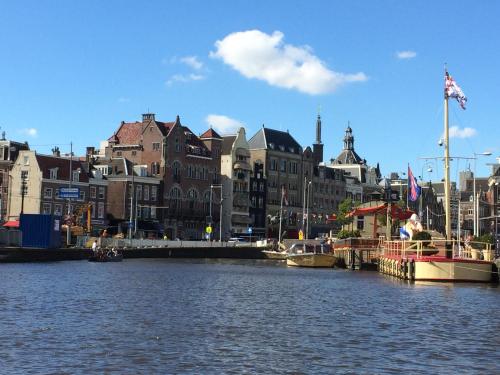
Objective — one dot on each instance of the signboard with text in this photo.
(69, 192)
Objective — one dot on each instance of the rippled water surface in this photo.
(208, 317)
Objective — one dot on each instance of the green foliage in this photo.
(488, 238)
(348, 234)
(346, 206)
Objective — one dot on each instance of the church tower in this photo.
(318, 146)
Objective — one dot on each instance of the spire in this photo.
(318, 130)
(348, 138)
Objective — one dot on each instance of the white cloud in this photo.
(258, 55)
(223, 124)
(184, 78)
(456, 132)
(31, 132)
(406, 55)
(192, 61)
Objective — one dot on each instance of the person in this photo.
(94, 247)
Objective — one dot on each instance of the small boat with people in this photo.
(307, 254)
(109, 256)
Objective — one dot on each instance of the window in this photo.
(283, 165)
(138, 192)
(361, 222)
(153, 212)
(146, 193)
(155, 168)
(82, 195)
(94, 211)
(134, 153)
(53, 173)
(177, 145)
(274, 165)
(76, 175)
(293, 167)
(58, 209)
(26, 160)
(100, 210)
(101, 192)
(47, 193)
(92, 192)
(47, 208)
(156, 146)
(282, 148)
(154, 193)
(56, 194)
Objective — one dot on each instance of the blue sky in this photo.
(71, 71)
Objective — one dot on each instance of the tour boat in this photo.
(309, 255)
(453, 262)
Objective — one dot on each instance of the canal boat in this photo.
(110, 256)
(276, 255)
(310, 255)
(451, 262)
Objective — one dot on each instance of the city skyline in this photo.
(85, 67)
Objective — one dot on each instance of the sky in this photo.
(71, 71)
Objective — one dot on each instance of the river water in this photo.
(163, 316)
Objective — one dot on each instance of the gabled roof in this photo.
(128, 133)
(211, 133)
(227, 144)
(348, 157)
(274, 140)
(46, 163)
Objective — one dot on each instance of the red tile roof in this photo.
(210, 133)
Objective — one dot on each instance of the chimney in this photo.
(56, 152)
(148, 117)
(89, 153)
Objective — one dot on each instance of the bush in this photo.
(422, 236)
(487, 238)
(348, 234)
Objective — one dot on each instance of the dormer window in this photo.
(271, 146)
(53, 173)
(292, 150)
(76, 176)
(282, 148)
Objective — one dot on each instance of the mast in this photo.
(447, 170)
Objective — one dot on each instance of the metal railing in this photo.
(421, 248)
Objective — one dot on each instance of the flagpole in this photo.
(408, 187)
(447, 169)
(281, 214)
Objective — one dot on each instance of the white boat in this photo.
(273, 254)
(310, 255)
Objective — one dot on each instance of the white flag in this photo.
(452, 90)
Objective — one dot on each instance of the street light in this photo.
(475, 200)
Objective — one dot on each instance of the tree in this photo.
(345, 207)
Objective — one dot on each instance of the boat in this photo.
(110, 256)
(276, 255)
(447, 259)
(310, 255)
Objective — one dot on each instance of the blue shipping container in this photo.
(41, 231)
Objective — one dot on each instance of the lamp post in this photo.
(307, 210)
(475, 200)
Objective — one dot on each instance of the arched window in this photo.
(192, 198)
(175, 197)
(176, 169)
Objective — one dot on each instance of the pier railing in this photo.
(421, 248)
(122, 243)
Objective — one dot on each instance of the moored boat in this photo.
(110, 256)
(309, 255)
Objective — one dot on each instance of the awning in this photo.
(12, 224)
(396, 211)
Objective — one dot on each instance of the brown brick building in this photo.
(185, 164)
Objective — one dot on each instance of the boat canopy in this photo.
(396, 211)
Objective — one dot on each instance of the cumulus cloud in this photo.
(192, 61)
(223, 124)
(183, 78)
(258, 55)
(456, 132)
(406, 55)
(31, 132)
